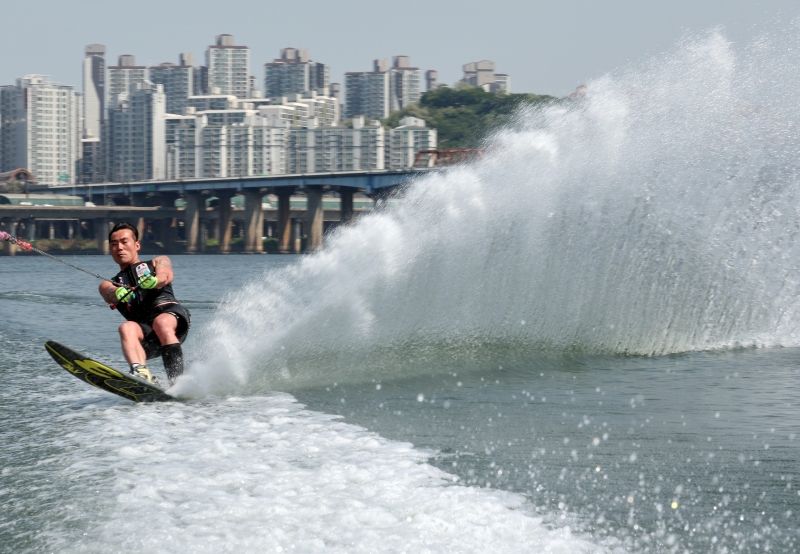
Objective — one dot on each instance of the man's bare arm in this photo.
(163, 266)
(108, 292)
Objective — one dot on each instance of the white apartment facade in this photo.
(327, 149)
(224, 136)
(404, 83)
(40, 129)
(229, 67)
(405, 141)
(242, 143)
(122, 77)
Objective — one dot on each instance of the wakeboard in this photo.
(101, 376)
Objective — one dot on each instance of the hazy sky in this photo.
(546, 47)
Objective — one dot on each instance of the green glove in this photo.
(148, 281)
(124, 294)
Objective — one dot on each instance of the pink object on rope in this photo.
(4, 236)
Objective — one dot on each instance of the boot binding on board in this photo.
(141, 371)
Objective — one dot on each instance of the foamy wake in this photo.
(263, 474)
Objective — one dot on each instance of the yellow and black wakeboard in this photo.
(101, 376)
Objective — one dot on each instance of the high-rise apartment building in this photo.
(367, 93)
(405, 141)
(431, 80)
(40, 129)
(200, 81)
(94, 89)
(294, 73)
(92, 164)
(177, 80)
(481, 74)
(503, 82)
(122, 77)
(254, 92)
(136, 137)
(229, 67)
(383, 90)
(404, 83)
(181, 134)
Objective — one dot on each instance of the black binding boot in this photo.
(172, 355)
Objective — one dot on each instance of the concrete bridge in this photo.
(138, 202)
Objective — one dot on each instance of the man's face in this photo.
(124, 248)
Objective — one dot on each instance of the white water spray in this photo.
(658, 214)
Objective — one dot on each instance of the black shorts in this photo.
(150, 342)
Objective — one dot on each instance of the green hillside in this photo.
(463, 116)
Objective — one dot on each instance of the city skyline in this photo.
(547, 49)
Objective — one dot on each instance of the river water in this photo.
(586, 341)
(566, 452)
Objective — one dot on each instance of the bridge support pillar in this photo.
(192, 201)
(168, 233)
(168, 226)
(346, 208)
(141, 224)
(298, 236)
(224, 222)
(284, 221)
(315, 218)
(253, 222)
(203, 233)
(30, 226)
(101, 235)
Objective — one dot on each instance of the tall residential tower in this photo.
(367, 93)
(136, 137)
(383, 90)
(94, 89)
(177, 80)
(404, 83)
(228, 67)
(41, 129)
(294, 73)
(122, 77)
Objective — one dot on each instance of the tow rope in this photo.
(30, 248)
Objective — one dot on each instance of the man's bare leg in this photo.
(130, 333)
(165, 326)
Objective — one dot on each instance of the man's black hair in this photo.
(121, 226)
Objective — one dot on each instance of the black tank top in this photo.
(147, 304)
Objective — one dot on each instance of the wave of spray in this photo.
(658, 214)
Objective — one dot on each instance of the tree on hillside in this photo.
(463, 116)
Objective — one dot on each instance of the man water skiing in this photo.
(157, 323)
